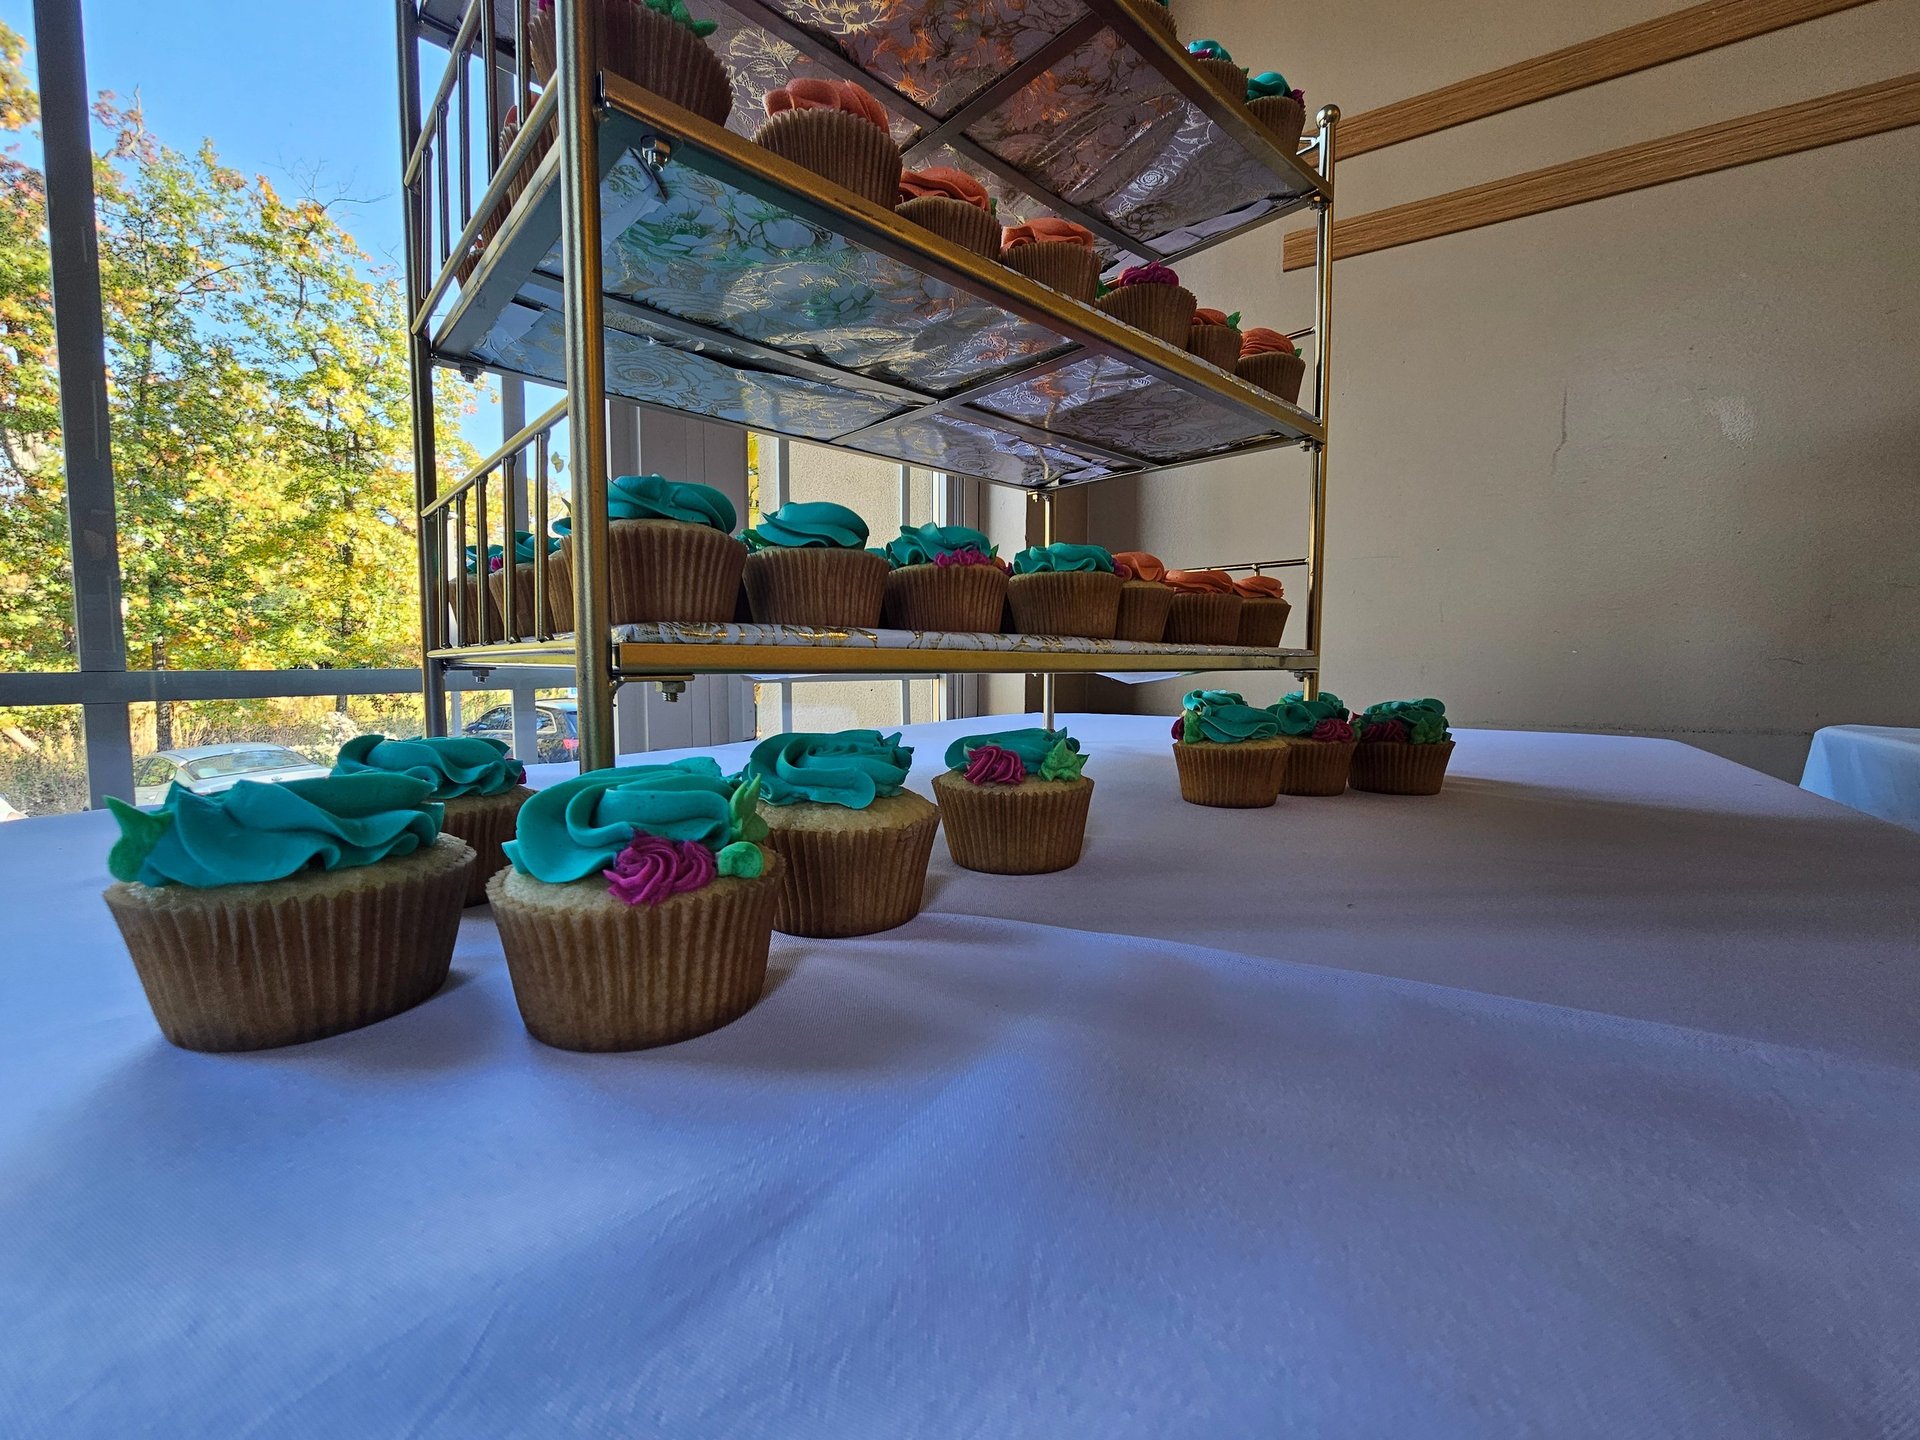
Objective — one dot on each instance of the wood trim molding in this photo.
(1659, 41)
(1829, 120)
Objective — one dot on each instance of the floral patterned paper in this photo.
(1112, 403)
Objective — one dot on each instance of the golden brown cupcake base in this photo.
(1071, 269)
(645, 47)
(1263, 620)
(661, 570)
(1283, 117)
(1078, 603)
(967, 226)
(1158, 16)
(1199, 618)
(967, 598)
(247, 967)
(591, 972)
(1399, 767)
(1216, 344)
(1225, 76)
(1144, 606)
(851, 872)
(1316, 767)
(1245, 776)
(815, 586)
(486, 823)
(1032, 828)
(1278, 373)
(838, 146)
(1163, 311)
(481, 602)
(525, 613)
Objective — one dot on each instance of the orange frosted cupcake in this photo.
(1151, 298)
(838, 131)
(953, 205)
(1206, 608)
(1268, 359)
(1264, 611)
(1145, 597)
(1057, 253)
(1214, 336)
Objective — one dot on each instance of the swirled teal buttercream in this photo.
(254, 832)
(1063, 558)
(1033, 746)
(654, 497)
(1223, 717)
(928, 543)
(1426, 720)
(579, 827)
(454, 765)
(1208, 50)
(1267, 85)
(808, 525)
(851, 768)
(524, 547)
(1300, 716)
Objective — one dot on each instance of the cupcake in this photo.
(1206, 608)
(1320, 744)
(1229, 753)
(1263, 611)
(656, 44)
(1151, 298)
(1145, 597)
(1404, 748)
(1015, 803)
(525, 612)
(838, 131)
(953, 205)
(807, 564)
(1057, 253)
(672, 556)
(1214, 336)
(482, 605)
(272, 914)
(1211, 59)
(1268, 359)
(1064, 590)
(1156, 14)
(473, 779)
(638, 906)
(1280, 109)
(854, 839)
(944, 577)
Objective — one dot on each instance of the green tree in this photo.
(257, 383)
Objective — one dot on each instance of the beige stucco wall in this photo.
(1650, 464)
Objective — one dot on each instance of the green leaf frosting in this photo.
(742, 858)
(1223, 717)
(454, 765)
(1034, 746)
(254, 832)
(676, 11)
(851, 768)
(654, 497)
(576, 828)
(928, 543)
(1064, 761)
(1426, 720)
(809, 524)
(1063, 558)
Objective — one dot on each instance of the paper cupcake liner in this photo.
(662, 570)
(1225, 76)
(1231, 777)
(1398, 767)
(645, 47)
(1085, 604)
(965, 225)
(1316, 767)
(593, 973)
(1283, 117)
(818, 587)
(486, 823)
(1281, 374)
(967, 598)
(1202, 619)
(524, 610)
(246, 967)
(1262, 621)
(1033, 828)
(480, 605)
(854, 881)
(1071, 269)
(1216, 344)
(1163, 311)
(1158, 16)
(560, 592)
(840, 147)
(1144, 605)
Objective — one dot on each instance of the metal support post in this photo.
(1048, 680)
(1328, 120)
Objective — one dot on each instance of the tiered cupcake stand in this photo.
(653, 256)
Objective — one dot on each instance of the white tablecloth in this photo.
(1875, 768)
(1581, 1100)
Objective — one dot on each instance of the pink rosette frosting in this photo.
(1336, 731)
(1150, 274)
(650, 869)
(991, 765)
(1180, 726)
(972, 555)
(1392, 731)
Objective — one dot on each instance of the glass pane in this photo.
(43, 761)
(217, 742)
(827, 705)
(869, 487)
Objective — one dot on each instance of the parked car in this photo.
(7, 812)
(209, 769)
(557, 731)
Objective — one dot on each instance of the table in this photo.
(1875, 768)
(1579, 1100)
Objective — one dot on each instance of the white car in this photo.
(209, 769)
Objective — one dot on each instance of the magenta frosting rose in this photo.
(1150, 274)
(971, 555)
(1337, 731)
(650, 869)
(1391, 731)
(991, 765)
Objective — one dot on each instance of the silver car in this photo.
(209, 769)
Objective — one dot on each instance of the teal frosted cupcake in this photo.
(638, 906)
(1404, 748)
(855, 840)
(1015, 802)
(1229, 753)
(1320, 743)
(807, 564)
(476, 782)
(672, 555)
(272, 914)
(1065, 590)
(944, 577)
(520, 575)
